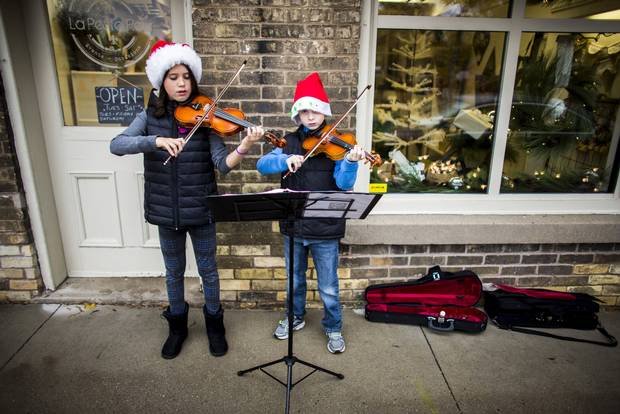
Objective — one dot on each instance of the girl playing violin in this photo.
(175, 193)
(320, 237)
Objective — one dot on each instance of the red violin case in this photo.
(440, 300)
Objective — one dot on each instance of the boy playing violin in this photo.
(320, 237)
(175, 193)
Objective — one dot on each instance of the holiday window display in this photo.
(563, 113)
(434, 104)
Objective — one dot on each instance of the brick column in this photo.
(20, 277)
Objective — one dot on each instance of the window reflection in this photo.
(435, 97)
(565, 102)
(446, 8)
(573, 9)
(100, 50)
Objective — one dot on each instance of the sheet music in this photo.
(347, 205)
(284, 204)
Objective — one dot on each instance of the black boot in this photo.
(216, 332)
(177, 333)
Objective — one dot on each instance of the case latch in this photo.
(441, 323)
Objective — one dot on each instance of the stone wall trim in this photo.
(483, 229)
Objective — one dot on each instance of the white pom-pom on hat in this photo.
(164, 55)
(310, 94)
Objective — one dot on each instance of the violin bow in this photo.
(210, 109)
(326, 134)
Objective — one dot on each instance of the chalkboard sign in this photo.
(118, 105)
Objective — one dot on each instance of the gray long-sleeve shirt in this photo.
(133, 141)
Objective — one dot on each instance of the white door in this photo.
(87, 82)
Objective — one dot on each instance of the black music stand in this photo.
(290, 206)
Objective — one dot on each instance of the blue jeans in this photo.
(325, 256)
(172, 243)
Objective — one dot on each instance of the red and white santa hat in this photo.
(310, 94)
(164, 55)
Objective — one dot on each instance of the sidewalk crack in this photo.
(458, 407)
(29, 338)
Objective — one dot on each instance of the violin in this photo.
(224, 121)
(336, 145)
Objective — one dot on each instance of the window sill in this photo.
(483, 229)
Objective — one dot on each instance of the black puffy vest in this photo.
(316, 174)
(175, 194)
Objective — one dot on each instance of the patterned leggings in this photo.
(172, 243)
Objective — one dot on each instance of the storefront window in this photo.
(100, 50)
(573, 9)
(563, 112)
(433, 117)
(463, 8)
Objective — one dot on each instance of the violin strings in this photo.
(225, 115)
(231, 118)
(228, 117)
(348, 146)
(340, 142)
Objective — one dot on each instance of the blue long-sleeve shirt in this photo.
(133, 141)
(274, 162)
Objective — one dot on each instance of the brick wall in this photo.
(253, 275)
(587, 268)
(282, 42)
(20, 277)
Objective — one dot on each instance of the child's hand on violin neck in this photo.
(294, 162)
(254, 135)
(172, 145)
(356, 154)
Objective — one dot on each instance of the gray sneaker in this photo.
(281, 331)
(335, 343)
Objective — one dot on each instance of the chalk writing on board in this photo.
(118, 105)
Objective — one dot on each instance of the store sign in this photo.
(118, 105)
(111, 33)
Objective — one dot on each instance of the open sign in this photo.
(118, 105)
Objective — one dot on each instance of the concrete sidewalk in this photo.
(106, 358)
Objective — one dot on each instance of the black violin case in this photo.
(520, 309)
(443, 301)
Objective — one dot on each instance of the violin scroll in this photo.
(372, 159)
(272, 137)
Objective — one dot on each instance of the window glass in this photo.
(563, 112)
(463, 8)
(100, 49)
(573, 9)
(434, 103)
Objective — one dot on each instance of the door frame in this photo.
(23, 25)
(22, 102)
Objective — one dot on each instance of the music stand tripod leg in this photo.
(289, 359)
